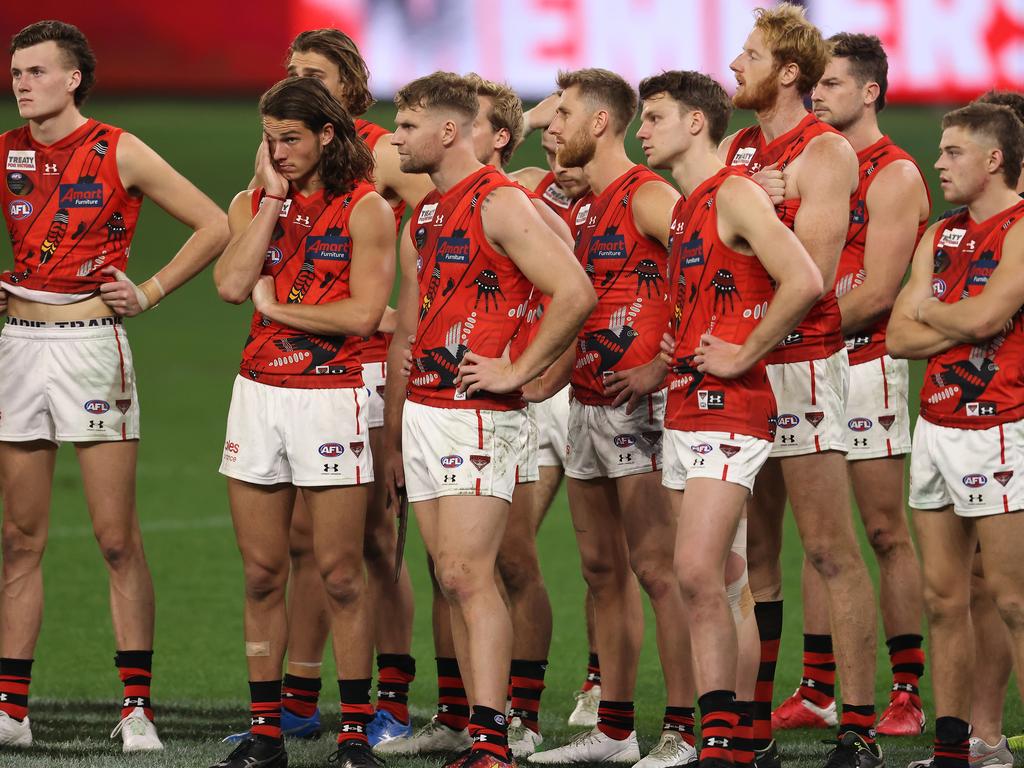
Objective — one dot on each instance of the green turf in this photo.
(186, 355)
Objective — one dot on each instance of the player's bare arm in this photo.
(724, 145)
(978, 318)
(513, 225)
(826, 178)
(398, 352)
(239, 267)
(143, 170)
(371, 275)
(540, 116)
(747, 222)
(553, 380)
(391, 181)
(896, 203)
(652, 212)
(906, 336)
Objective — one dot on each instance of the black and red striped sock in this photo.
(952, 743)
(265, 708)
(681, 720)
(15, 678)
(616, 719)
(527, 686)
(769, 627)
(300, 695)
(818, 684)
(395, 672)
(452, 704)
(593, 672)
(860, 719)
(907, 659)
(356, 710)
(135, 668)
(718, 720)
(489, 731)
(742, 753)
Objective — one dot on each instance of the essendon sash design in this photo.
(974, 386)
(68, 214)
(819, 334)
(310, 258)
(628, 272)
(471, 296)
(719, 291)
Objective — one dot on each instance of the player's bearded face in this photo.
(758, 94)
(578, 149)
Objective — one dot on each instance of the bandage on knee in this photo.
(741, 599)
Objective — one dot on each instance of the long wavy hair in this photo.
(346, 160)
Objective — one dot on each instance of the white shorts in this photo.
(461, 451)
(877, 419)
(603, 441)
(305, 437)
(713, 455)
(972, 469)
(68, 382)
(374, 375)
(553, 426)
(527, 470)
(811, 397)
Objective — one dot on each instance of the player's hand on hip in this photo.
(773, 181)
(493, 374)
(667, 349)
(407, 358)
(263, 294)
(267, 176)
(122, 295)
(719, 358)
(631, 385)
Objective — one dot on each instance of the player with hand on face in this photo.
(73, 192)
(313, 244)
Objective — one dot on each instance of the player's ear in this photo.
(697, 122)
(994, 160)
(74, 80)
(871, 91)
(788, 73)
(326, 134)
(600, 121)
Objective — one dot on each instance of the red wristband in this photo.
(274, 197)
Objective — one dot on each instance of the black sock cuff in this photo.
(769, 619)
(818, 643)
(593, 660)
(403, 662)
(265, 690)
(302, 683)
(355, 691)
(717, 701)
(533, 669)
(16, 667)
(680, 711)
(904, 642)
(447, 667)
(137, 659)
(617, 706)
(951, 730)
(859, 709)
(491, 718)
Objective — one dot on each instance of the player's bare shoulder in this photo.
(725, 144)
(828, 152)
(529, 177)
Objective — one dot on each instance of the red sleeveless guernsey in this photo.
(719, 291)
(868, 343)
(535, 306)
(68, 213)
(471, 297)
(819, 334)
(974, 386)
(309, 257)
(375, 348)
(628, 272)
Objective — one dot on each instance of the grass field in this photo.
(186, 354)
